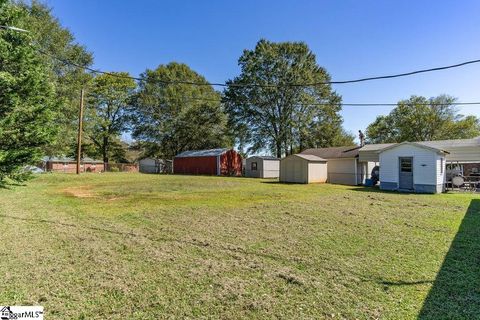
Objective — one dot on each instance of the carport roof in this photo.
(333, 152)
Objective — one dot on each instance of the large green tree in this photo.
(423, 119)
(107, 110)
(27, 106)
(174, 117)
(58, 45)
(273, 114)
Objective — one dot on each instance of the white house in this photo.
(411, 166)
(262, 167)
(344, 166)
(303, 168)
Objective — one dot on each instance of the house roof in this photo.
(265, 157)
(201, 153)
(438, 144)
(70, 160)
(416, 144)
(334, 152)
(309, 157)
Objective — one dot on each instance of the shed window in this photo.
(254, 166)
(406, 165)
(441, 165)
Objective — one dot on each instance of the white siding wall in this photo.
(424, 164)
(342, 171)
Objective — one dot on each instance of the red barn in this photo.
(216, 162)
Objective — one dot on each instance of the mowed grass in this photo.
(115, 246)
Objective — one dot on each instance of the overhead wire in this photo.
(176, 82)
(226, 84)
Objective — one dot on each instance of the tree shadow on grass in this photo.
(455, 294)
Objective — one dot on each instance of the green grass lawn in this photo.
(153, 246)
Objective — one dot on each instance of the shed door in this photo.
(406, 173)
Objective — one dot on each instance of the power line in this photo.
(366, 104)
(249, 85)
(305, 104)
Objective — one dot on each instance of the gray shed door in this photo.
(406, 173)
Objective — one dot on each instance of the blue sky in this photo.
(351, 39)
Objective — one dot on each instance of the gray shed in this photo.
(303, 168)
(262, 167)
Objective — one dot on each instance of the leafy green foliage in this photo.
(106, 115)
(283, 119)
(171, 118)
(57, 41)
(422, 119)
(26, 98)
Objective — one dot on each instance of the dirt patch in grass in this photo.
(79, 192)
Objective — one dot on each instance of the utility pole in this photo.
(80, 129)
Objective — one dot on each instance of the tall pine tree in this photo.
(27, 106)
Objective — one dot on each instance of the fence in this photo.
(121, 167)
(71, 167)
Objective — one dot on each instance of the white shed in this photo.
(303, 168)
(262, 167)
(410, 166)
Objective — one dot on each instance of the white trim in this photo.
(355, 163)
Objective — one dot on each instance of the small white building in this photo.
(303, 168)
(262, 167)
(414, 167)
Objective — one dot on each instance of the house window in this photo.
(441, 165)
(254, 166)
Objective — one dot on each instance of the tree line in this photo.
(39, 102)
